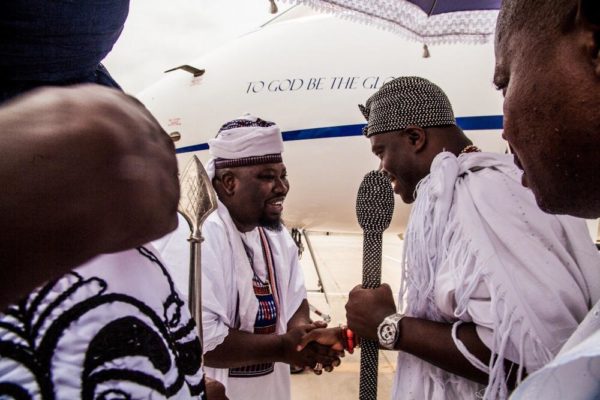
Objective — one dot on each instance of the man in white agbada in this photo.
(493, 286)
(253, 297)
(553, 126)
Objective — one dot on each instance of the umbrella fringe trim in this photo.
(419, 27)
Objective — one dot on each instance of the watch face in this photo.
(387, 333)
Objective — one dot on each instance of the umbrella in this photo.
(426, 21)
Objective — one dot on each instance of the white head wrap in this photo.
(247, 140)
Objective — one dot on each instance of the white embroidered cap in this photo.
(244, 138)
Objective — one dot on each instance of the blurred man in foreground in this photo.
(548, 68)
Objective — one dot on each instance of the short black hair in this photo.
(546, 17)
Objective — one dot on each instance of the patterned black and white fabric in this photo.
(406, 101)
(114, 328)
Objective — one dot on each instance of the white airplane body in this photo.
(308, 72)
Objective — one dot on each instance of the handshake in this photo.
(316, 346)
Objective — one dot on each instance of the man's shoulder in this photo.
(214, 232)
(485, 168)
(214, 224)
(485, 159)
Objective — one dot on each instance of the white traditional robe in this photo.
(575, 372)
(478, 249)
(227, 279)
(175, 250)
(115, 327)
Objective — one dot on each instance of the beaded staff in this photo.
(374, 209)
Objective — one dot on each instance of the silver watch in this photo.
(388, 331)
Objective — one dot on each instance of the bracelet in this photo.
(349, 340)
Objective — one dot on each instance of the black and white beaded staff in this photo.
(374, 209)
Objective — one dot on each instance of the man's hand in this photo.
(308, 355)
(84, 170)
(215, 390)
(366, 309)
(327, 340)
(329, 337)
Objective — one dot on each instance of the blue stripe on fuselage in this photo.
(484, 122)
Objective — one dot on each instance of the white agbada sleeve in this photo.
(481, 251)
(542, 267)
(575, 373)
(219, 298)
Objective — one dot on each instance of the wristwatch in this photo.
(388, 331)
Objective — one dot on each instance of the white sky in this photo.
(162, 34)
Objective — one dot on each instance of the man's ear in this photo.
(417, 137)
(588, 18)
(227, 183)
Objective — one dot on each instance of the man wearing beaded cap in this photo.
(493, 286)
(253, 298)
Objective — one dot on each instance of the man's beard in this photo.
(270, 223)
